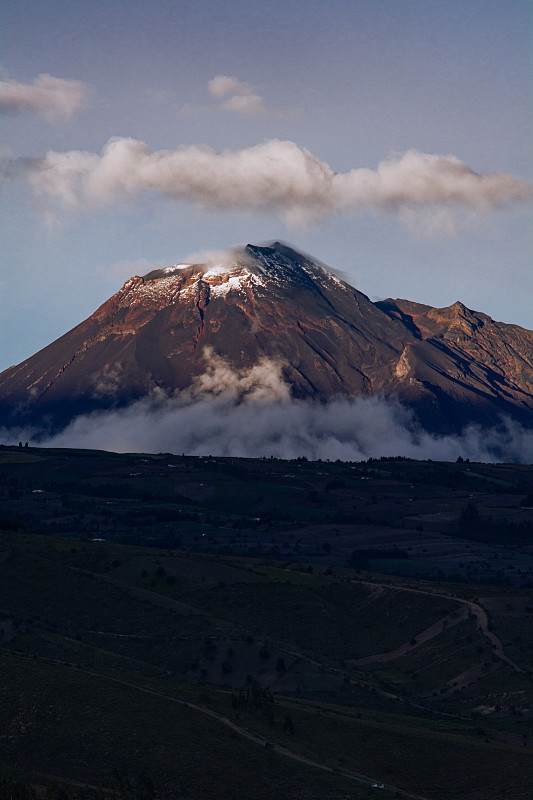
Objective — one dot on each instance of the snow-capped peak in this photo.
(236, 270)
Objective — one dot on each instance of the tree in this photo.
(144, 789)
(469, 518)
(55, 793)
(12, 789)
(288, 725)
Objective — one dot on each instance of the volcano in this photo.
(451, 366)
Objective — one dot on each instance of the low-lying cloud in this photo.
(250, 413)
(278, 176)
(54, 97)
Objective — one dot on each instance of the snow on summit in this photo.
(223, 272)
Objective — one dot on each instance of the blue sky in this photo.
(350, 85)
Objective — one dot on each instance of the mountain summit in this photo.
(452, 365)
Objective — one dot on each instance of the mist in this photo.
(250, 413)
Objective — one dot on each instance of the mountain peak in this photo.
(270, 303)
(271, 267)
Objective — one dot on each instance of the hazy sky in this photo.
(391, 139)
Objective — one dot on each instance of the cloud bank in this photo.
(250, 413)
(47, 95)
(278, 176)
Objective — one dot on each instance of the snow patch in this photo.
(231, 271)
(223, 279)
(236, 283)
(218, 270)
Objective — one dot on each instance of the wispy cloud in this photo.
(12, 168)
(243, 99)
(124, 269)
(54, 97)
(222, 85)
(250, 104)
(278, 176)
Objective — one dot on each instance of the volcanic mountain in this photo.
(452, 365)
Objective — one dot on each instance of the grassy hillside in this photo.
(266, 667)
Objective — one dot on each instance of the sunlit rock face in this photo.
(451, 365)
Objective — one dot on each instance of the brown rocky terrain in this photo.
(451, 365)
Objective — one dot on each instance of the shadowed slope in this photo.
(452, 366)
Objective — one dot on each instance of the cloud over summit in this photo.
(273, 176)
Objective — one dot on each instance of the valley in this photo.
(255, 628)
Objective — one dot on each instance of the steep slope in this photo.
(451, 365)
(464, 358)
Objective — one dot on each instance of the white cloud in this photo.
(243, 100)
(221, 85)
(47, 95)
(250, 104)
(250, 413)
(278, 176)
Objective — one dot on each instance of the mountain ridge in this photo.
(452, 366)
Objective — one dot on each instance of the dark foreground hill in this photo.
(452, 366)
(251, 662)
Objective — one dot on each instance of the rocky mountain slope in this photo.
(451, 365)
